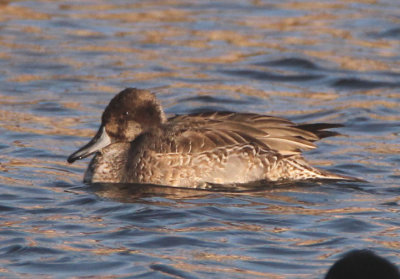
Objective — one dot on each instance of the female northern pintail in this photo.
(136, 143)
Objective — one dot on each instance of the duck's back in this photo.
(206, 131)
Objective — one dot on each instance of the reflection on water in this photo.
(61, 62)
(134, 192)
(128, 193)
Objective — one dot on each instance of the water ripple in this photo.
(260, 75)
(291, 62)
(354, 83)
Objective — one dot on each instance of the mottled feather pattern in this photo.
(235, 164)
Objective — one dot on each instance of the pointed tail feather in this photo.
(296, 168)
(319, 129)
(335, 176)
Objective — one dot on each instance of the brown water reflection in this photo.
(330, 61)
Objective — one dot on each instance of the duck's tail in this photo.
(296, 168)
(335, 176)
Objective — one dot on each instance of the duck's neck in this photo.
(108, 165)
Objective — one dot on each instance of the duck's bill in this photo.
(99, 141)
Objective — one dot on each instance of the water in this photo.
(326, 61)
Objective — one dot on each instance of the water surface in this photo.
(327, 61)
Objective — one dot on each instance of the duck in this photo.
(137, 143)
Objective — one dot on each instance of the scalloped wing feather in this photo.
(206, 131)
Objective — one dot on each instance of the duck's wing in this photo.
(206, 131)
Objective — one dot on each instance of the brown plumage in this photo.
(137, 144)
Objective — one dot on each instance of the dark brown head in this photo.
(130, 113)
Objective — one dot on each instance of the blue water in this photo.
(329, 61)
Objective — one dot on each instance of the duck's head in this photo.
(130, 113)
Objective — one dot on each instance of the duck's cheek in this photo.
(132, 130)
(113, 128)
